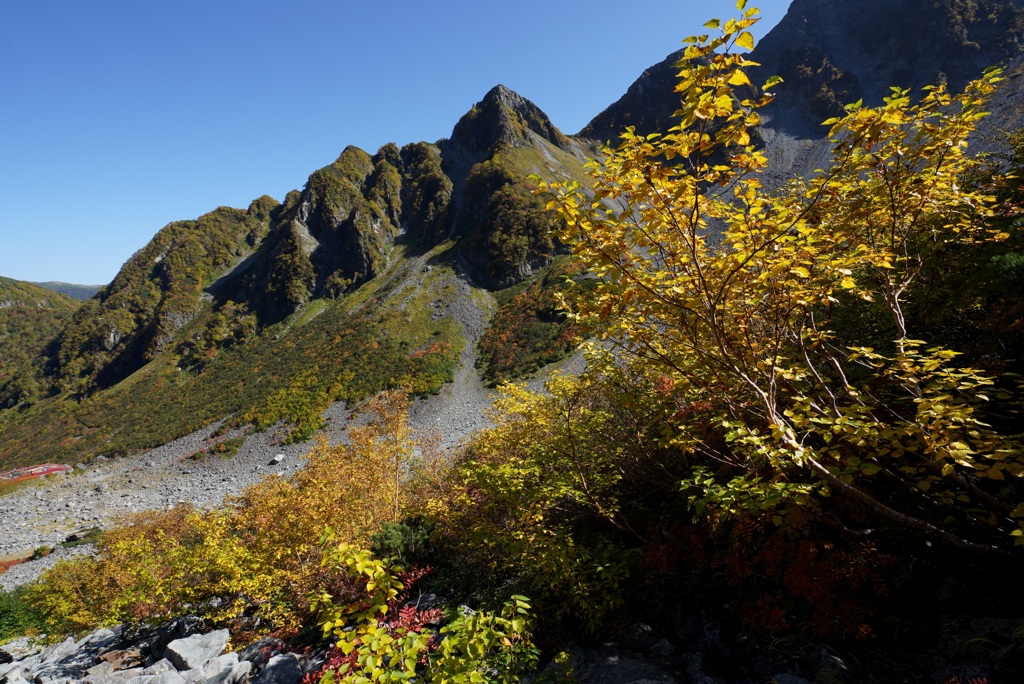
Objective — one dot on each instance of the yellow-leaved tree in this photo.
(736, 294)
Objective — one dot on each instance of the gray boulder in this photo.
(72, 660)
(58, 651)
(226, 669)
(281, 669)
(663, 648)
(195, 651)
(123, 659)
(261, 651)
(140, 679)
(637, 637)
(178, 628)
(100, 669)
(611, 665)
(22, 647)
(26, 664)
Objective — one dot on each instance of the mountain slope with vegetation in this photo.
(30, 319)
(272, 313)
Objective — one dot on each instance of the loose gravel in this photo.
(46, 512)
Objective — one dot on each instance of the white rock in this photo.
(195, 651)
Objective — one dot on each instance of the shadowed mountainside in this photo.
(832, 53)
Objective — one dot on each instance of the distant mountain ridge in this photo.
(79, 292)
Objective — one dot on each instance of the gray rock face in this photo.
(876, 44)
(830, 53)
(72, 660)
(196, 650)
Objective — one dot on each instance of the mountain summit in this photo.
(503, 117)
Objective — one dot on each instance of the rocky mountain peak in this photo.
(830, 53)
(502, 94)
(503, 118)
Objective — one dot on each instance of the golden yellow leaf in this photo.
(738, 78)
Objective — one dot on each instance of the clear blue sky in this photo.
(118, 117)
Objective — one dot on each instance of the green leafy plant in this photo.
(17, 616)
(474, 646)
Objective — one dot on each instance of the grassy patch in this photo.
(17, 618)
(503, 297)
(228, 448)
(9, 487)
(41, 552)
(551, 163)
(483, 299)
(90, 536)
(224, 448)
